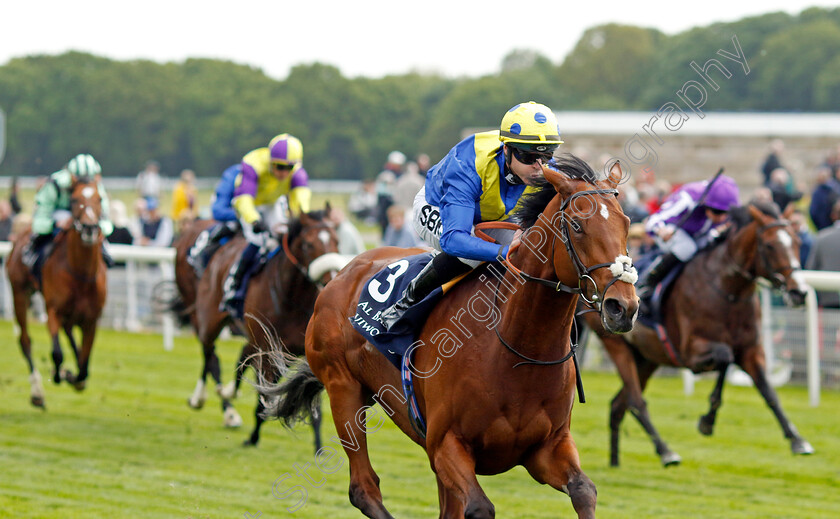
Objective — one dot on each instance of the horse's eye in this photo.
(576, 226)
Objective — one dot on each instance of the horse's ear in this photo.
(561, 182)
(327, 207)
(756, 213)
(616, 174)
(789, 210)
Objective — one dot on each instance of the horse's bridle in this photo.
(287, 250)
(775, 276)
(583, 272)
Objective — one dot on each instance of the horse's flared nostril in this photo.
(614, 309)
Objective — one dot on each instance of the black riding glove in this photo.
(259, 227)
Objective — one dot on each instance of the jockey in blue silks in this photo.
(481, 179)
(210, 239)
(678, 236)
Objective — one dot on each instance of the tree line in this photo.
(205, 114)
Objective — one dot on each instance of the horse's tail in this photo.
(167, 298)
(297, 398)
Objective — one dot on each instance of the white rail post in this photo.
(766, 297)
(813, 347)
(168, 271)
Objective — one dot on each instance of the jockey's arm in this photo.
(300, 195)
(45, 201)
(105, 223)
(663, 222)
(457, 212)
(300, 200)
(244, 194)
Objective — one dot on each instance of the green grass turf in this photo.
(129, 447)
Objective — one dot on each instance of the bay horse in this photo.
(492, 377)
(712, 320)
(278, 305)
(74, 286)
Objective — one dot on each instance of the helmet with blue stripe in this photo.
(531, 127)
(83, 166)
(286, 150)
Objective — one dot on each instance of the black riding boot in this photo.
(207, 243)
(441, 269)
(33, 252)
(232, 301)
(655, 274)
(106, 256)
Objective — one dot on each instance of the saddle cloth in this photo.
(387, 286)
(383, 290)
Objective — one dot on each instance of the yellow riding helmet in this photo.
(286, 149)
(531, 126)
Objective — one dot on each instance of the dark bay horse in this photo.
(493, 381)
(712, 319)
(278, 305)
(74, 286)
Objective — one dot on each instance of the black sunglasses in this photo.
(530, 157)
(283, 167)
(717, 211)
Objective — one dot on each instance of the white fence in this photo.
(806, 343)
(130, 287)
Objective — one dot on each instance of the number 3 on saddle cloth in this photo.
(655, 316)
(397, 344)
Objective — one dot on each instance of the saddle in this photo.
(386, 287)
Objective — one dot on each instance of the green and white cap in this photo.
(83, 166)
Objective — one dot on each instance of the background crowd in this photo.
(378, 212)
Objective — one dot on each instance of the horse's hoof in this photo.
(68, 376)
(232, 418)
(80, 385)
(249, 443)
(801, 447)
(197, 404)
(228, 391)
(705, 427)
(56, 377)
(37, 401)
(670, 459)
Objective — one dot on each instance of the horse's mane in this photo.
(295, 226)
(741, 216)
(534, 203)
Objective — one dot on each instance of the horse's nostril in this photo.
(613, 307)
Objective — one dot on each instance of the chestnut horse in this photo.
(711, 317)
(497, 391)
(74, 286)
(278, 305)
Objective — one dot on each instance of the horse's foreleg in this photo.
(83, 357)
(752, 361)
(707, 422)
(68, 332)
(557, 464)
(635, 371)
(53, 328)
(455, 469)
(231, 389)
(21, 303)
(199, 394)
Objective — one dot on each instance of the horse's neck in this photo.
(82, 259)
(733, 262)
(295, 289)
(532, 309)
